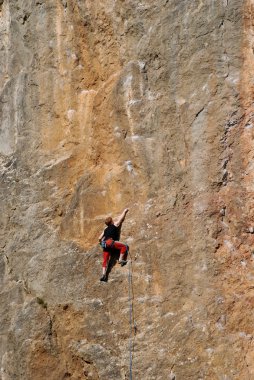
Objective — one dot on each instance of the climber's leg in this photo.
(123, 251)
(106, 257)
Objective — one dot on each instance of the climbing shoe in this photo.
(122, 262)
(103, 278)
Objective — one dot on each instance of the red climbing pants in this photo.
(112, 245)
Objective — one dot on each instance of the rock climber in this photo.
(109, 240)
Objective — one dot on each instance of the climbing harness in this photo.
(109, 243)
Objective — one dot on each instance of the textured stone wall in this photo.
(112, 104)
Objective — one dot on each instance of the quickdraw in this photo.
(103, 244)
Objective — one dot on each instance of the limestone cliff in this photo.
(141, 104)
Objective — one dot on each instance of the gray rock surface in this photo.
(113, 104)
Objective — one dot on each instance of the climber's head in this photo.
(108, 221)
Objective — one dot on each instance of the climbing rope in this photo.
(131, 314)
(131, 310)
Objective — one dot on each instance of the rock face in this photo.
(140, 104)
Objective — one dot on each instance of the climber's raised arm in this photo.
(121, 218)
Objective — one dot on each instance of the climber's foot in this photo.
(122, 262)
